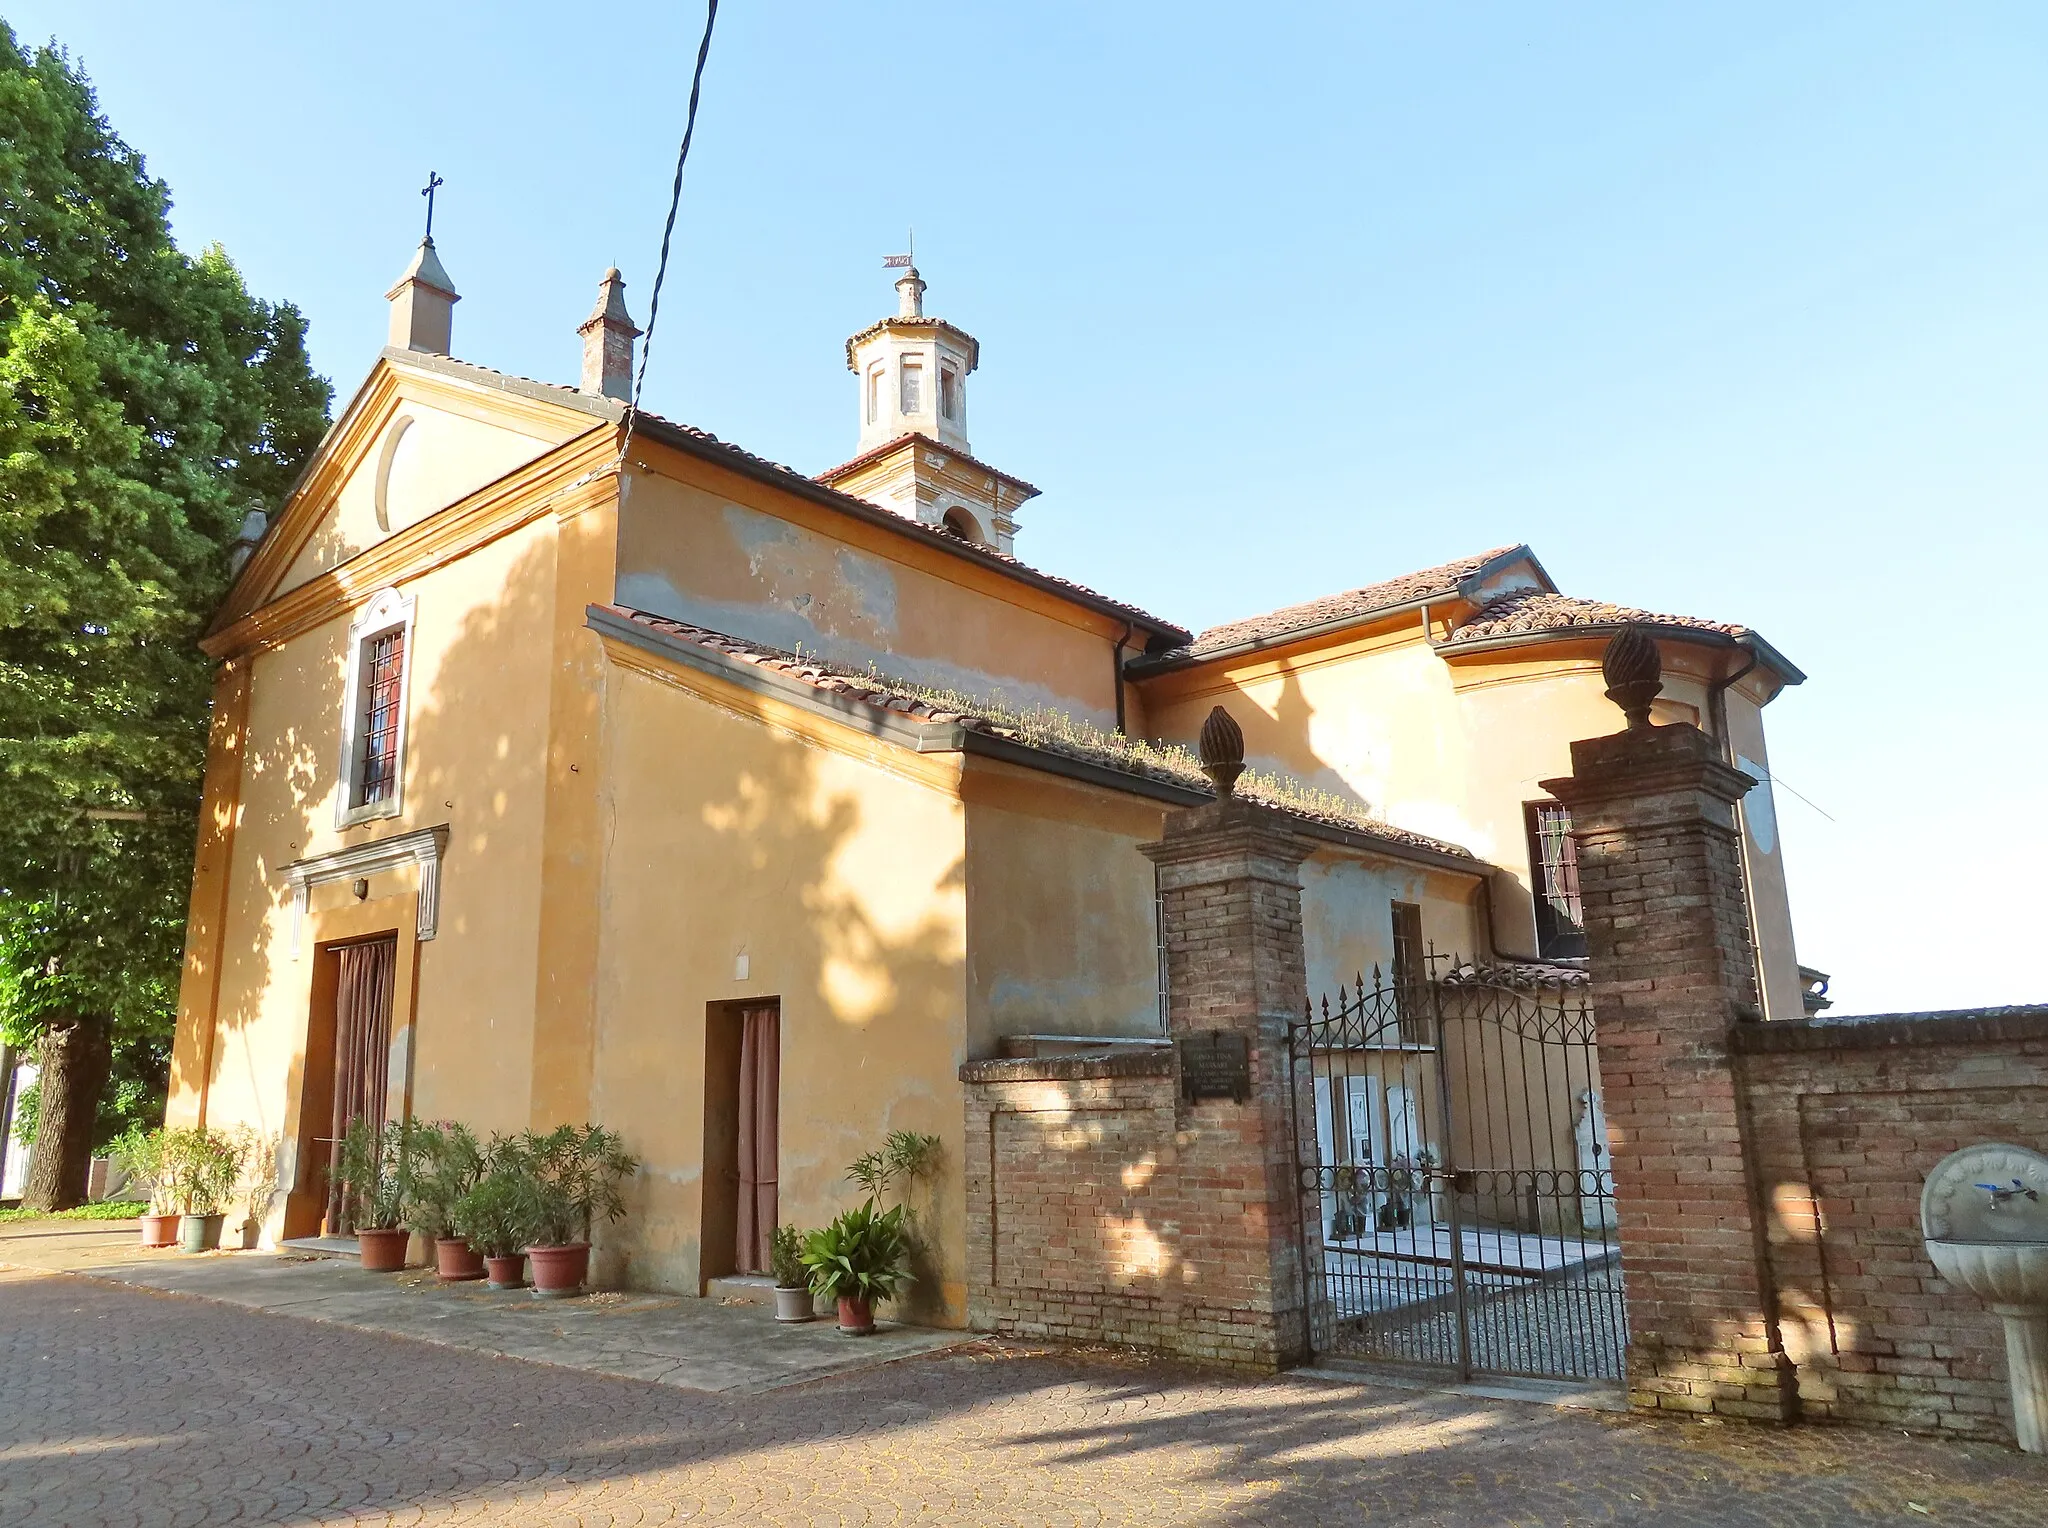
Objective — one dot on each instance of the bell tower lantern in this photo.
(911, 374)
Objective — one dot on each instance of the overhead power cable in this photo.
(675, 198)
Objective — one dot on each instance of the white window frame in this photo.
(389, 611)
(878, 380)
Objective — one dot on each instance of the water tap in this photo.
(2001, 1197)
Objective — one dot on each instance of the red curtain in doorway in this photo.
(760, 1100)
(362, 1052)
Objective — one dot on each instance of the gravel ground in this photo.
(1565, 1326)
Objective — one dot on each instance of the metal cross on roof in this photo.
(433, 180)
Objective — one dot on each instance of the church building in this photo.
(569, 766)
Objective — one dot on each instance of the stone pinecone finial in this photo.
(1634, 671)
(1222, 752)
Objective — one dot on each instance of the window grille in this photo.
(384, 675)
(1554, 876)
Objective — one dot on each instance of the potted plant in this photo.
(903, 1169)
(141, 1155)
(496, 1218)
(858, 1259)
(573, 1174)
(201, 1168)
(793, 1298)
(447, 1162)
(1407, 1176)
(375, 1171)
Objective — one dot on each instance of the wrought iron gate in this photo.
(1457, 1209)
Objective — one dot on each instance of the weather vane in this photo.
(897, 262)
(433, 180)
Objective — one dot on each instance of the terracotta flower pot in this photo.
(199, 1233)
(558, 1271)
(383, 1251)
(455, 1260)
(856, 1316)
(795, 1304)
(160, 1230)
(507, 1272)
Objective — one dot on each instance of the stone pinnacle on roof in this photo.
(608, 336)
(423, 303)
(910, 294)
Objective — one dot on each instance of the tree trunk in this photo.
(9, 1063)
(77, 1055)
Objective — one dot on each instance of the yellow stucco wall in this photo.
(1347, 925)
(703, 545)
(425, 457)
(1764, 860)
(832, 865)
(1060, 907)
(473, 757)
(1454, 749)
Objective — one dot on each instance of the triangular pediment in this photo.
(420, 434)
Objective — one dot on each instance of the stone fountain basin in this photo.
(2005, 1273)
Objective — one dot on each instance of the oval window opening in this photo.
(385, 460)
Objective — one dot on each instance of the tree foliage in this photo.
(147, 401)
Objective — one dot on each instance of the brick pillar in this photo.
(1667, 934)
(1230, 916)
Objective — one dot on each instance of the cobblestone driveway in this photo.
(118, 1407)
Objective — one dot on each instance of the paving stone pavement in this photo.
(121, 1406)
(670, 1339)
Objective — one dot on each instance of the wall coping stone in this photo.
(1634, 768)
(1953, 1026)
(995, 1069)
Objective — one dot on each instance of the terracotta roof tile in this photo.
(884, 693)
(855, 341)
(1353, 604)
(1524, 611)
(831, 473)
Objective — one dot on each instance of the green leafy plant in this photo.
(905, 1157)
(140, 1154)
(496, 1215)
(149, 401)
(200, 1168)
(375, 1169)
(786, 1257)
(864, 1254)
(575, 1175)
(903, 1162)
(106, 1209)
(447, 1161)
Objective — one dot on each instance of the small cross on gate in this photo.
(433, 180)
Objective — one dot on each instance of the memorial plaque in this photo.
(1215, 1063)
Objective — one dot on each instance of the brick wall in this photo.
(1101, 1204)
(1667, 937)
(1100, 1209)
(1847, 1118)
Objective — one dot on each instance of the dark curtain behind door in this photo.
(362, 1053)
(760, 1096)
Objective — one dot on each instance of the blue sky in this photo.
(1737, 311)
